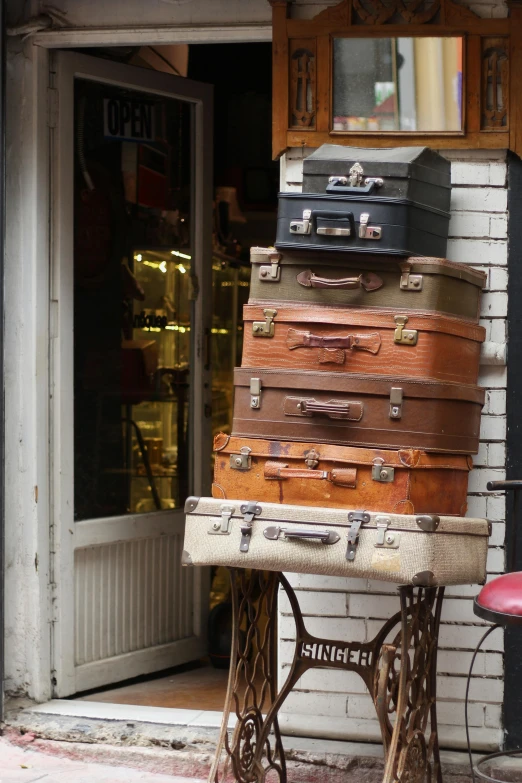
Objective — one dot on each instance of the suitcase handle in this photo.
(341, 477)
(334, 409)
(367, 281)
(339, 185)
(342, 230)
(324, 536)
(333, 348)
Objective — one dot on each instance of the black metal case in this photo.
(417, 174)
(365, 223)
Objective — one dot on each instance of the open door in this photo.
(131, 153)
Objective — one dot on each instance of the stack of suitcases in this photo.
(358, 385)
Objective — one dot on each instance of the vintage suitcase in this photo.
(423, 550)
(357, 410)
(362, 340)
(431, 284)
(417, 174)
(373, 224)
(406, 481)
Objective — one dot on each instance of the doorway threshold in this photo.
(98, 710)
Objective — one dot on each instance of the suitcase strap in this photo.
(367, 281)
(334, 409)
(342, 477)
(333, 348)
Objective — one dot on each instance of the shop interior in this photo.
(132, 295)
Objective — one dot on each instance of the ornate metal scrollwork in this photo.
(400, 675)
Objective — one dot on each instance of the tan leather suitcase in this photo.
(423, 550)
(362, 340)
(414, 283)
(357, 410)
(406, 481)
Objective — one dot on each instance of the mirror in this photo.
(397, 84)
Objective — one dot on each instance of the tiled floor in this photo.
(201, 689)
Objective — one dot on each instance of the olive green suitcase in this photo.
(413, 283)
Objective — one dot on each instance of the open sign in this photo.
(128, 119)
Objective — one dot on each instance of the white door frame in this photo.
(68, 535)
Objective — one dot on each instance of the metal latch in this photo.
(410, 282)
(265, 328)
(366, 231)
(356, 175)
(303, 226)
(272, 273)
(404, 336)
(249, 511)
(312, 459)
(241, 461)
(395, 402)
(255, 392)
(380, 473)
(222, 526)
(386, 538)
(356, 519)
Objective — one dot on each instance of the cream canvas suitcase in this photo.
(423, 550)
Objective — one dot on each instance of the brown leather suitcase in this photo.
(408, 481)
(319, 278)
(362, 340)
(357, 410)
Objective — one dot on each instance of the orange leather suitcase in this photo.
(414, 344)
(406, 481)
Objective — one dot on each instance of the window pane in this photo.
(397, 84)
(132, 309)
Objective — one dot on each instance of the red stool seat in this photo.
(500, 601)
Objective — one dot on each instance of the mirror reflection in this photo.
(397, 84)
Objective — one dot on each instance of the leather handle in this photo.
(353, 342)
(341, 477)
(333, 409)
(368, 281)
(330, 214)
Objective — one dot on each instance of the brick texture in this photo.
(354, 608)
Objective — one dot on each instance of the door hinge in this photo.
(404, 336)
(52, 107)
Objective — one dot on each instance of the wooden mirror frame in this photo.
(492, 50)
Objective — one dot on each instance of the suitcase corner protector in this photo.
(424, 579)
(191, 504)
(186, 559)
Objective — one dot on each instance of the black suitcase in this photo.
(360, 224)
(417, 174)
(369, 200)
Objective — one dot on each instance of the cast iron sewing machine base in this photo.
(400, 675)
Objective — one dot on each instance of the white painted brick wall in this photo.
(353, 609)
